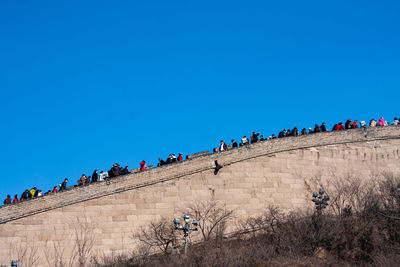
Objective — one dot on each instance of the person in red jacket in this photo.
(354, 125)
(55, 189)
(180, 157)
(339, 127)
(15, 200)
(142, 165)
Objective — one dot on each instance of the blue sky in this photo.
(85, 84)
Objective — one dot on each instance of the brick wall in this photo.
(252, 177)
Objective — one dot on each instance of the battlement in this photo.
(195, 163)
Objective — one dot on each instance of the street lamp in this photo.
(186, 228)
(320, 200)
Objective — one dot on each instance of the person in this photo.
(7, 200)
(174, 159)
(347, 125)
(282, 133)
(64, 184)
(95, 176)
(161, 162)
(169, 159)
(262, 138)
(142, 165)
(288, 133)
(323, 127)
(26, 194)
(32, 191)
(234, 144)
(15, 200)
(381, 122)
(82, 180)
(354, 125)
(372, 123)
(310, 131)
(124, 171)
(180, 157)
(40, 193)
(245, 141)
(88, 180)
(273, 136)
(54, 189)
(295, 132)
(254, 137)
(395, 121)
(317, 129)
(304, 131)
(334, 127)
(222, 146)
(339, 126)
(115, 170)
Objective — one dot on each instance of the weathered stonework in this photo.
(252, 177)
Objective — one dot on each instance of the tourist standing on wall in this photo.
(180, 157)
(234, 144)
(63, 185)
(7, 200)
(95, 176)
(323, 127)
(142, 165)
(222, 146)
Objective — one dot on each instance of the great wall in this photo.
(277, 172)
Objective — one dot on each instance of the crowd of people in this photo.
(117, 170)
(96, 176)
(171, 159)
(349, 124)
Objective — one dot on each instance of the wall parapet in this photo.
(204, 162)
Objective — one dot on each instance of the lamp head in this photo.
(196, 223)
(177, 221)
(186, 218)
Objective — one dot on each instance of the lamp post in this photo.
(186, 228)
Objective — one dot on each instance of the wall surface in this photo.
(277, 172)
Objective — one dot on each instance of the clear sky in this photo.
(85, 84)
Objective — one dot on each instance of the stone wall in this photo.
(272, 172)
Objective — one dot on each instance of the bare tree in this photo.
(212, 216)
(83, 240)
(56, 253)
(160, 235)
(25, 252)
